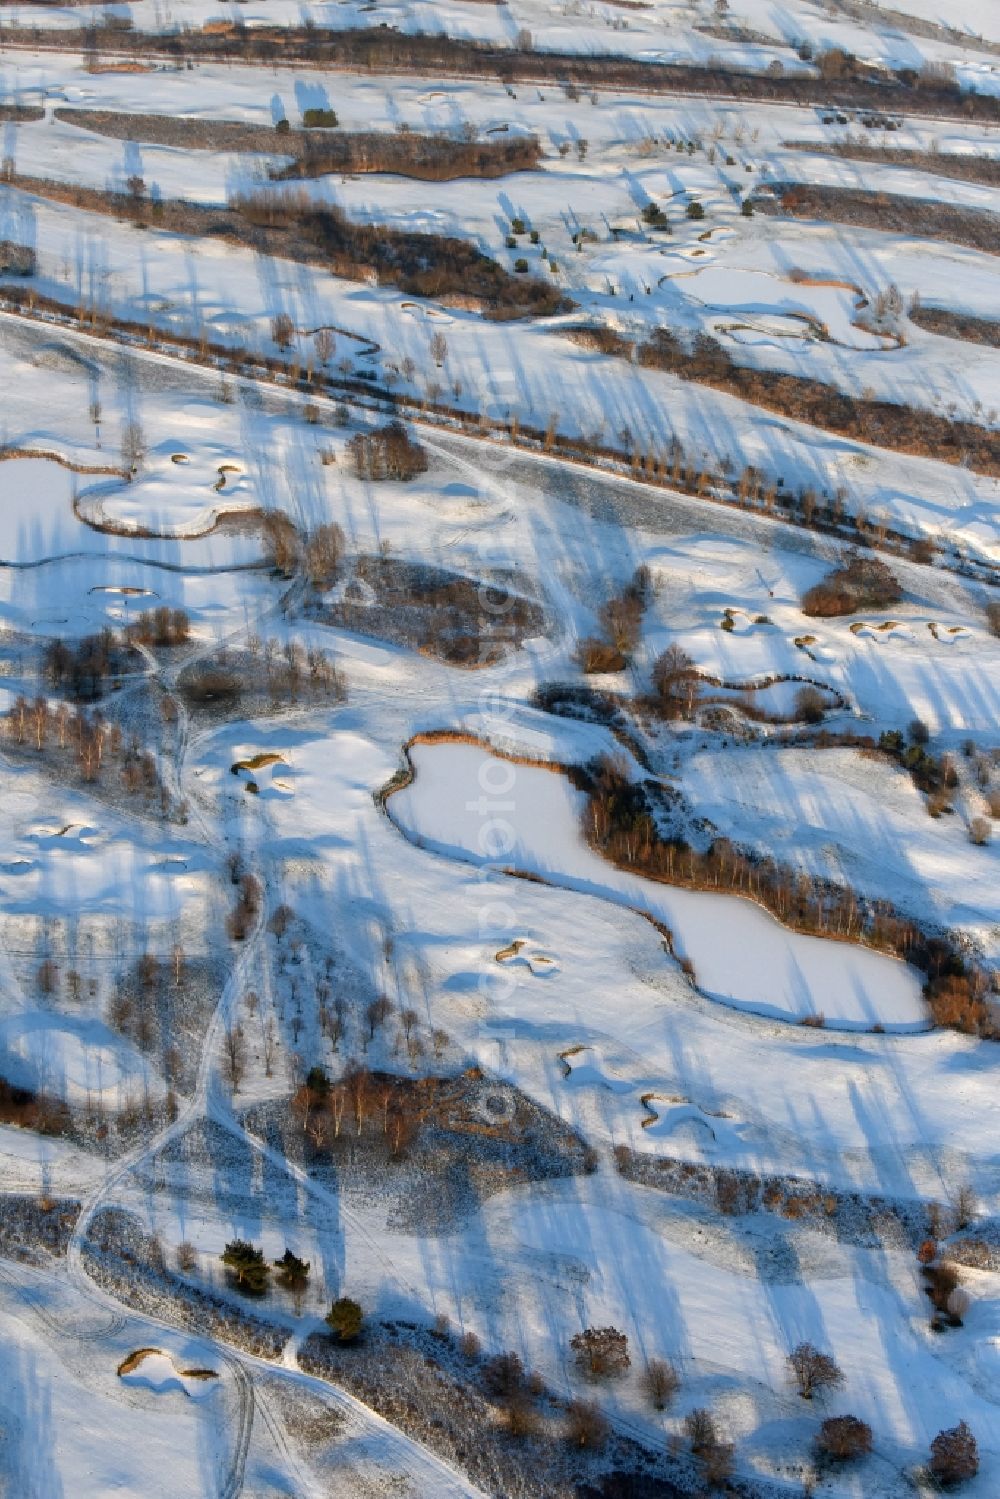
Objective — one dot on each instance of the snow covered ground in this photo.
(187, 933)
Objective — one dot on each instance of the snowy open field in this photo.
(500, 824)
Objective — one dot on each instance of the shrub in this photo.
(980, 831)
(469, 1346)
(594, 656)
(954, 1456)
(862, 582)
(957, 1306)
(993, 616)
(694, 210)
(809, 705)
(941, 1280)
(503, 1374)
(521, 265)
(813, 1370)
(953, 1003)
(187, 1257)
(521, 1416)
(315, 119)
(324, 550)
(344, 1319)
(16, 259)
(966, 1206)
(844, 1438)
(601, 1352)
(717, 1464)
(586, 1424)
(662, 1382)
(282, 545)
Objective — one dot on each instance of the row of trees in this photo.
(618, 821)
(161, 627)
(86, 740)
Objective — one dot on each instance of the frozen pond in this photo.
(471, 805)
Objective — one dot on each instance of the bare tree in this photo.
(676, 682)
(586, 1424)
(965, 1206)
(376, 1015)
(662, 1382)
(325, 345)
(133, 446)
(700, 1430)
(235, 1056)
(409, 1019)
(282, 546)
(813, 1370)
(324, 550)
(282, 330)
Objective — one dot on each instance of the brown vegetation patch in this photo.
(295, 227)
(923, 218)
(384, 49)
(948, 323)
(881, 423)
(489, 1417)
(463, 621)
(81, 747)
(260, 679)
(29, 1110)
(436, 1146)
(132, 1361)
(952, 164)
(406, 153)
(33, 1227)
(862, 582)
(855, 1217)
(163, 1006)
(13, 450)
(388, 452)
